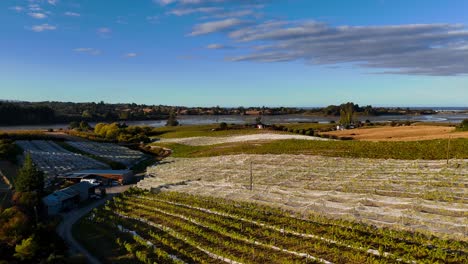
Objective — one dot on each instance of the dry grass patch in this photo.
(404, 133)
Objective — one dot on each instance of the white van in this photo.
(92, 181)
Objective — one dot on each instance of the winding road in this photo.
(69, 219)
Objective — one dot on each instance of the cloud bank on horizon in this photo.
(437, 49)
(414, 49)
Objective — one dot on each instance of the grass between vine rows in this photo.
(426, 150)
(171, 227)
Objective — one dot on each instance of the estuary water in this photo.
(453, 117)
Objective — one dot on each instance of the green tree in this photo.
(347, 114)
(86, 114)
(74, 125)
(8, 150)
(99, 129)
(29, 179)
(112, 131)
(172, 120)
(84, 126)
(27, 250)
(258, 120)
(223, 126)
(14, 224)
(464, 125)
(124, 115)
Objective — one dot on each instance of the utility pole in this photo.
(251, 176)
(35, 213)
(448, 149)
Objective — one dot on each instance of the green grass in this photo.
(432, 149)
(100, 243)
(307, 126)
(204, 131)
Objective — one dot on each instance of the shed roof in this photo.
(67, 193)
(116, 172)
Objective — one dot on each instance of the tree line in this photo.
(26, 234)
(18, 113)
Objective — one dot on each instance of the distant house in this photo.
(260, 126)
(253, 112)
(68, 198)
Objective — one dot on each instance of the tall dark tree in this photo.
(172, 120)
(29, 179)
(347, 114)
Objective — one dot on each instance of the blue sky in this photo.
(236, 52)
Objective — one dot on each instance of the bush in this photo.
(223, 126)
(463, 125)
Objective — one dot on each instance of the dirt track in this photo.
(406, 133)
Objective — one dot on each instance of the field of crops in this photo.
(207, 141)
(205, 131)
(412, 150)
(425, 196)
(171, 227)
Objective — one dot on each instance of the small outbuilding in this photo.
(68, 198)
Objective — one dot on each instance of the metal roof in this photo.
(67, 193)
(121, 172)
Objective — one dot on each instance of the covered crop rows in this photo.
(426, 196)
(171, 227)
(55, 160)
(110, 151)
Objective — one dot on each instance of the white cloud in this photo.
(104, 32)
(218, 46)
(188, 11)
(206, 2)
(236, 13)
(72, 14)
(34, 7)
(37, 15)
(43, 27)
(152, 19)
(217, 26)
(17, 8)
(90, 51)
(130, 55)
(52, 2)
(420, 49)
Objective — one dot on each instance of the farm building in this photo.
(68, 198)
(105, 176)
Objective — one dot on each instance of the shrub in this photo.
(463, 125)
(223, 126)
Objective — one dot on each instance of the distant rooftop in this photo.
(102, 172)
(67, 193)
